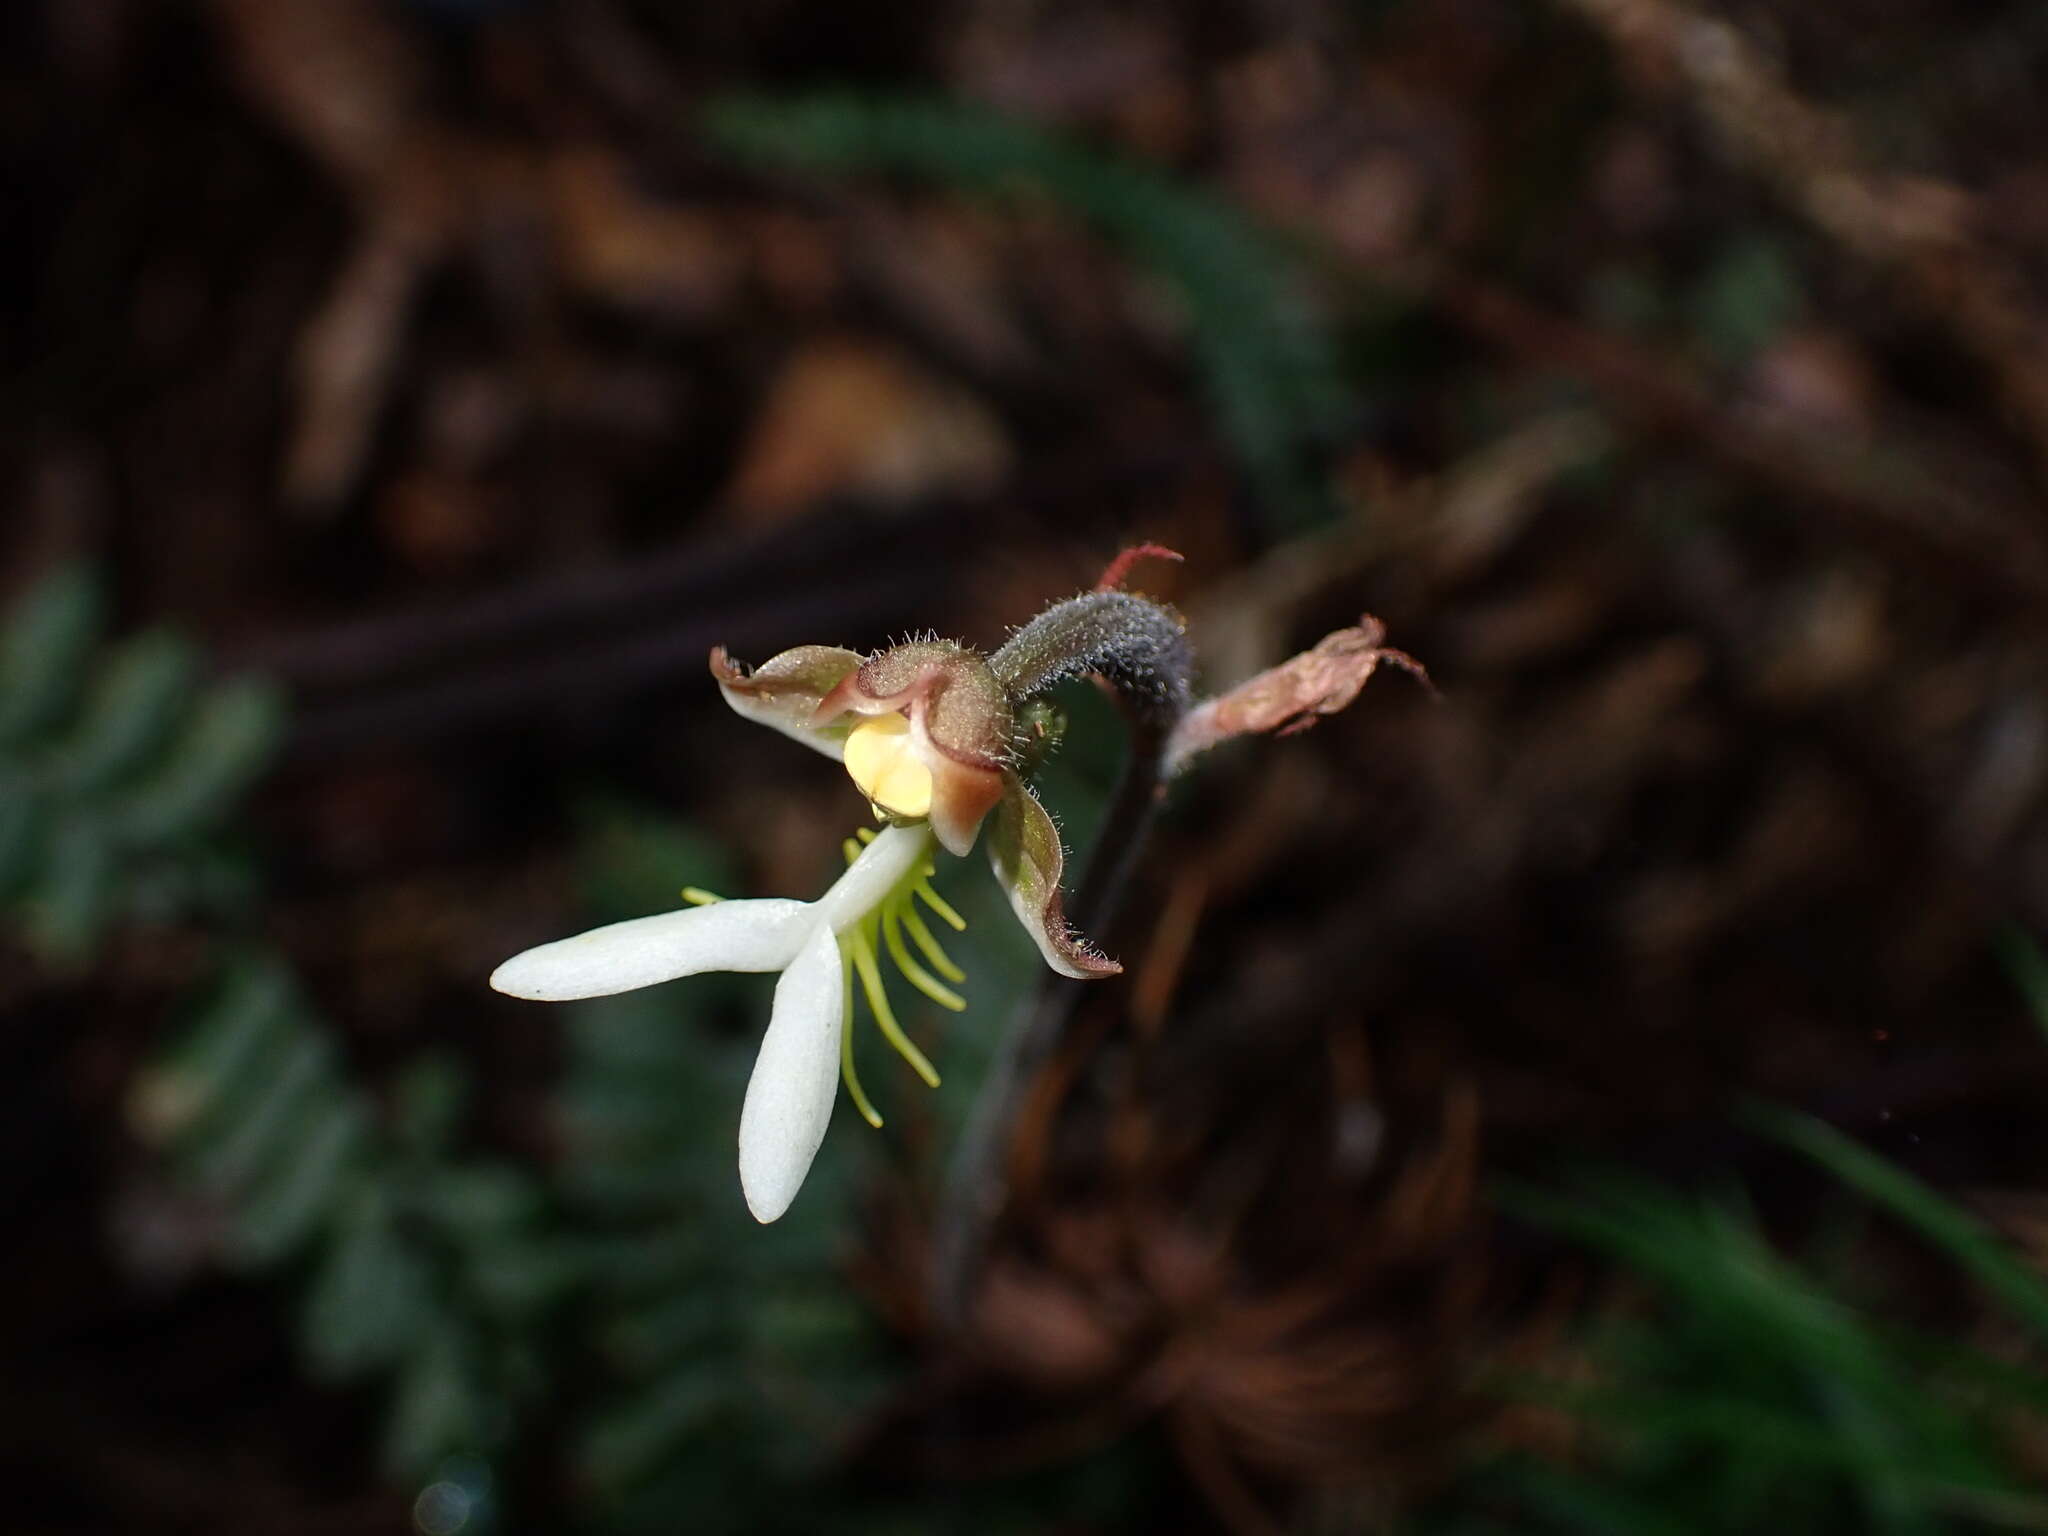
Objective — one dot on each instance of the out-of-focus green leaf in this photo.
(252, 1129)
(404, 1243)
(287, 1204)
(45, 649)
(479, 1202)
(223, 745)
(243, 1017)
(1588, 1506)
(513, 1282)
(627, 1445)
(437, 1411)
(22, 828)
(1966, 1240)
(116, 773)
(74, 901)
(2028, 967)
(427, 1105)
(1751, 1395)
(118, 776)
(674, 1327)
(1748, 298)
(369, 1299)
(129, 712)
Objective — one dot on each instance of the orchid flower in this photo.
(938, 739)
(927, 732)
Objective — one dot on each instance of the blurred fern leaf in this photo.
(429, 1271)
(1271, 368)
(119, 768)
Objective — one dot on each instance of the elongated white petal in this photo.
(725, 936)
(796, 1077)
(892, 855)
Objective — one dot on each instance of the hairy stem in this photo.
(1138, 647)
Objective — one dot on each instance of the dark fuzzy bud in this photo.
(1138, 645)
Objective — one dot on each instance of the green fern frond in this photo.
(44, 652)
(119, 770)
(1271, 368)
(420, 1268)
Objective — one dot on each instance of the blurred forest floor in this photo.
(1672, 382)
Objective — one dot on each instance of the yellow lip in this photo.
(882, 759)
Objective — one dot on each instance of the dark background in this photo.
(1672, 383)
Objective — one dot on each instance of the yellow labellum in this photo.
(882, 760)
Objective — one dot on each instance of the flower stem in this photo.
(977, 1193)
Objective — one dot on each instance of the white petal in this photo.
(725, 936)
(796, 1078)
(891, 856)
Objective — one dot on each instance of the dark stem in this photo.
(977, 1184)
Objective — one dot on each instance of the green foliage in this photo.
(731, 1357)
(1756, 1393)
(418, 1267)
(1747, 298)
(704, 1360)
(1965, 1240)
(711, 1359)
(118, 771)
(1266, 355)
(730, 1352)
(2028, 968)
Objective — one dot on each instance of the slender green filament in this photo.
(922, 937)
(936, 902)
(863, 938)
(846, 1067)
(861, 948)
(915, 974)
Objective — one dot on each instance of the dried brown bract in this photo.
(1291, 697)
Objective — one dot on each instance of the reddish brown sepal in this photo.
(1294, 695)
(785, 690)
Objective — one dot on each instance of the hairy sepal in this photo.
(1024, 850)
(784, 692)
